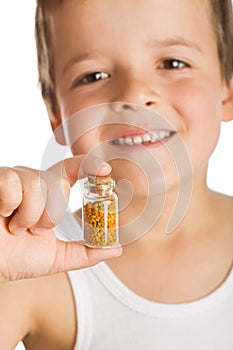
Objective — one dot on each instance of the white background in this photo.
(25, 129)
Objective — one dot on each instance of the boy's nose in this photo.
(133, 94)
(124, 106)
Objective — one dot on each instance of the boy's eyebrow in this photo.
(80, 57)
(160, 43)
(174, 41)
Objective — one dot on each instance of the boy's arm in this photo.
(40, 312)
(16, 319)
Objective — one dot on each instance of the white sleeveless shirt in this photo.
(112, 317)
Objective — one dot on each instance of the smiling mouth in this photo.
(144, 139)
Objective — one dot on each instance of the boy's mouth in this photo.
(143, 139)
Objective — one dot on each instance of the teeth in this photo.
(137, 140)
(121, 141)
(128, 141)
(146, 138)
(151, 137)
(162, 134)
(154, 137)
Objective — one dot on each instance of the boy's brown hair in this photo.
(222, 20)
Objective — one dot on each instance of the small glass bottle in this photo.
(100, 212)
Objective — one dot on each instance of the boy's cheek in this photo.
(69, 106)
(84, 144)
(73, 101)
(197, 100)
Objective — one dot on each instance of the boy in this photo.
(173, 57)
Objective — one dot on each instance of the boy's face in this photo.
(161, 54)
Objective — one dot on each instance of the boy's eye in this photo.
(92, 78)
(173, 64)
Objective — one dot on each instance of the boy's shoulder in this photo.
(224, 207)
(38, 311)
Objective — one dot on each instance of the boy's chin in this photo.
(136, 181)
(136, 185)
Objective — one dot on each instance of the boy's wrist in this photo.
(2, 280)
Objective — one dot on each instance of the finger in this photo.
(32, 205)
(58, 190)
(77, 167)
(72, 256)
(59, 178)
(95, 166)
(10, 191)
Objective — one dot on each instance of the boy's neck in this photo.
(187, 217)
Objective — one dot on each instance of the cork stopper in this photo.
(99, 180)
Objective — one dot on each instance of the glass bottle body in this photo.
(100, 214)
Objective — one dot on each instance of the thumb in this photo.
(78, 167)
(73, 256)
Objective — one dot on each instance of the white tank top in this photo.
(112, 317)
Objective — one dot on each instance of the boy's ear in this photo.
(56, 123)
(227, 103)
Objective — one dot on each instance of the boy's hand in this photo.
(31, 204)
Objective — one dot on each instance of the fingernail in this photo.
(18, 230)
(117, 251)
(103, 169)
(7, 214)
(93, 166)
(39, 230)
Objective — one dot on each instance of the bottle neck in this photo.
(100, 185)
(101, 190)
